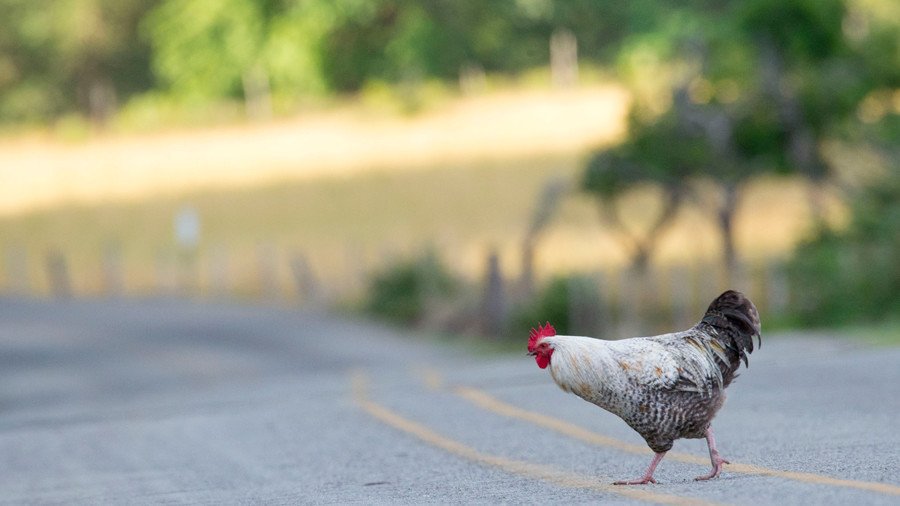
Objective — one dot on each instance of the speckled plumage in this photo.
(665, 387)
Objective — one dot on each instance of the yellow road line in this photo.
(518, 467)
(490, 403)
(431, 377)
(434, 380)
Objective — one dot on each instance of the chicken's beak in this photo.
(531, 353)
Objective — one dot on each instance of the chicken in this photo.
(664, 387)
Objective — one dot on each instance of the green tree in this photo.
(210, 49)
(659, 154)
(29, 86)
(59, 55)
(407, 40)
(745, 94)
(205, 47)
(852, 275)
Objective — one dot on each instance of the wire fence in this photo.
(608, 302)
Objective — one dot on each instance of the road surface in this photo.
(162, 401)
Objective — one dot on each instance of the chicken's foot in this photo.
(715, 459)
(648, 476)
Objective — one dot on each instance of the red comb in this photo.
(537, 334)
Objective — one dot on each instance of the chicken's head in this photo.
(538, 347)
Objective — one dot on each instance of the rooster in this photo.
(664, 387)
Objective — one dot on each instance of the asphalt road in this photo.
(159, 402)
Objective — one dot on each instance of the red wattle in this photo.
(542, 360)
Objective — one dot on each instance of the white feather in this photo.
(603, 372)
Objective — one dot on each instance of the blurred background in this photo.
(463, 167)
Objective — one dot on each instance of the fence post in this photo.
(778, 289)
(585, 313)
(606, 314)
(17, 280)
(187, 280)
(525, 288)
(355, 269)
(305, 281)
(267, 270)
(219, 280)
(707, 285)
(167, 273)
(493, 307)
(649, 305)
(628, 303)
(58, 275)
(113, 278)
(681, 296)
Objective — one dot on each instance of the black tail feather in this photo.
(736, 322)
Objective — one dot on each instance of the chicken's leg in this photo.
(648, 476)
(714, 457)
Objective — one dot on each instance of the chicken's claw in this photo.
(717, 468)
(714, 458)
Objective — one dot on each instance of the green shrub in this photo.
(852, 275)
(571, 303)
(401, 293)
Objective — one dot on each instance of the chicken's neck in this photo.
(583, 366)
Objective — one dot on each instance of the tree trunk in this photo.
(726, 227)
(472, 79)
(101, 101)
(640, 258)
(563, 59)
(816, 198)
(493, 305)
(257, 94)
(526, 280)
(96, 94)
(643, 245)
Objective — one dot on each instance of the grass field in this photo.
(38, 172)
(352, 191)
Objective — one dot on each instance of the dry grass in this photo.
(352, 191)
(38, 173)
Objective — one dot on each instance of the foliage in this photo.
(205, 46)
(58, 56)
(402, 293)
(208, 48)
(852, 275)
(659, 152)
(749, 87)
(570, 303)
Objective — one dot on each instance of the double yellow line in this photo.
(518, 467)
(486, 401)
(433, 380)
